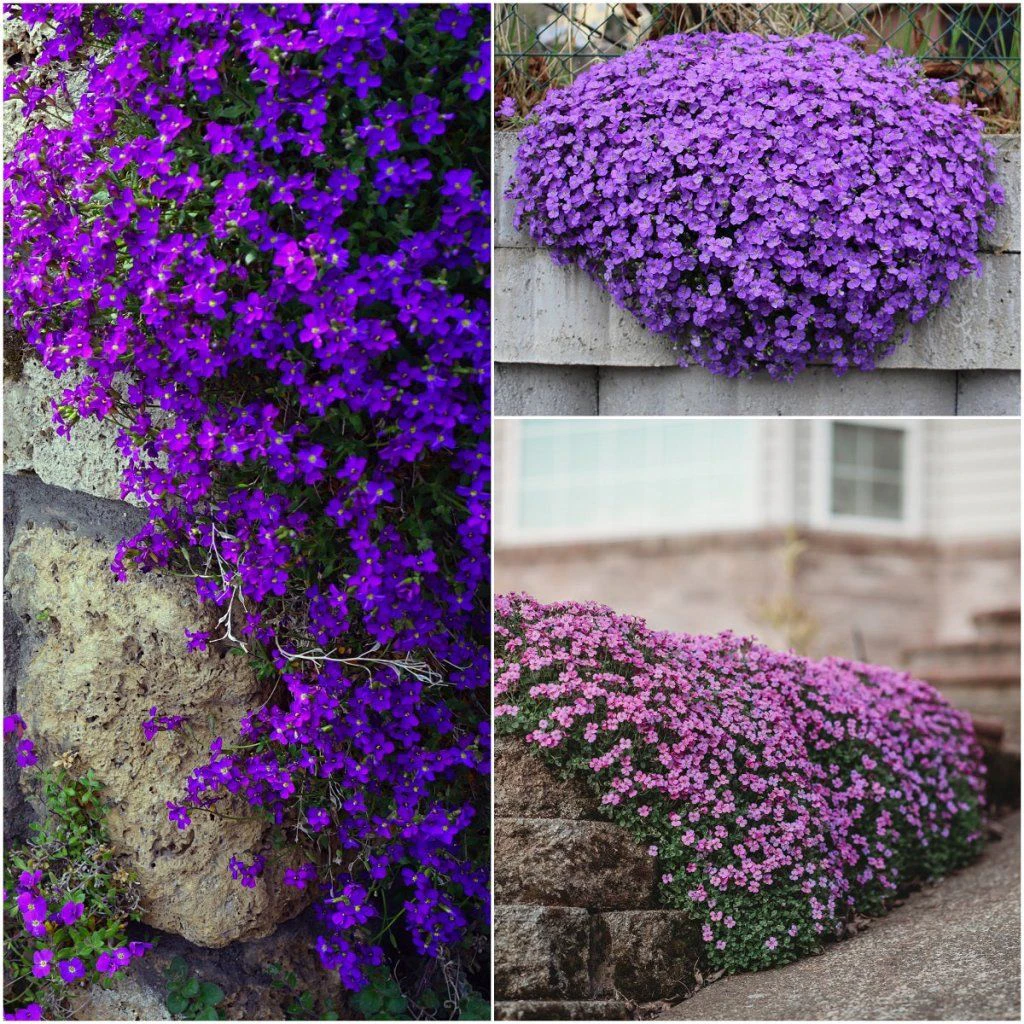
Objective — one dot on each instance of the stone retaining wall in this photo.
(578, 935)
(562, 347)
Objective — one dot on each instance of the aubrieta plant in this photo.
(68, 896)
(780, 796)
(766, 203)
(260, 235)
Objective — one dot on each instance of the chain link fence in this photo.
(540, 46)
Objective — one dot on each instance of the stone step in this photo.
(988, 705)
(545, 1009)
(966, 663)
(541, 952)
(563, 863)
(1001, 624)
(644, 955)
(525, 787)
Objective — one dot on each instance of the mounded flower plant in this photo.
(259, 236)
(766, 203)
(781, 797)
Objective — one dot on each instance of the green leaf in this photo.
(367, 1002)
(176, 1003)
(211, 993)
(475, 1008)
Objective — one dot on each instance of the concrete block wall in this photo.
(562, 347)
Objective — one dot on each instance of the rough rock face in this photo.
(88, 461)
(541, 1009)
(545, 952)
(557, 862)
(643, 955)
(525, 787)
(126, 999)
(94, 656)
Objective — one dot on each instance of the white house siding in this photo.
(972, 479)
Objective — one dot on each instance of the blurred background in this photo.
(539, 45)
(894, 541)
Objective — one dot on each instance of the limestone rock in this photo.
(128, 998)
(86, 461)
(541, 952)
(552, 862)
(525, 787)
(644, 955)
(95, 655)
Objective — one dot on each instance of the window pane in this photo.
(886, 500)
(888, 449)
(844, 443)
(633, 477)
(844, 497)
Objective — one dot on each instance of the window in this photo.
(590, 479)
(867, 472)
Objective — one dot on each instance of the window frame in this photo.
(911, 524)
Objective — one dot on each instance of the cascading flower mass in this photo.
(259, 234)
(781, 796)
(767, 203)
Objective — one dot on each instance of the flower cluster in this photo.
(259, 235)
(766, 203)
(25, 751)
(67, 899)
(781, 796)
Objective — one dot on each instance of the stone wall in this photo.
(562, 347)
(577, 933)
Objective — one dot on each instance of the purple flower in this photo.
(14, 725)
(178, 815)
(70, 913)
(106, 964)
(41, 961)
(71, 970)
(308, 311)
(318, 818)
(25, 754)
(33, 1011)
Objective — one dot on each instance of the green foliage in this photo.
(302, 1004)
(69, 846)
(188, 997)
(382, 999)
(474, 1007)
